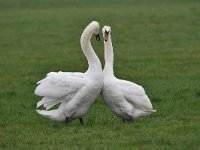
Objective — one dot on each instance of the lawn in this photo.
(156, 43)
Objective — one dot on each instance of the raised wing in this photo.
(134, 94)
(58, 86)
(60, 74)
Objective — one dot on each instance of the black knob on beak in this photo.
(107, 32)
(97, 37)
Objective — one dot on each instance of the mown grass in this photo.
(157, 45)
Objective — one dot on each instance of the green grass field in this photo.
(156, 43)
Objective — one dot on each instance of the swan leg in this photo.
(123, 120)
(81, 121)
(67, 120)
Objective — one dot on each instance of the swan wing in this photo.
(134, 94)
(54, 75)
(59, 85)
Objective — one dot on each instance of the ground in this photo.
(156, 44)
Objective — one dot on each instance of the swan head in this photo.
(96, 26)
(106, 32)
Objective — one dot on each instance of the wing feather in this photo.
(135, 94)
(58, 87)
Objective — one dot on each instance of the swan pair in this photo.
(77, 91)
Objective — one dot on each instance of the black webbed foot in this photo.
(67, 120)
(81, 121)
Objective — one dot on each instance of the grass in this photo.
(156, 45)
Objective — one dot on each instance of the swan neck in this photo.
(109, 56)
(93, 60)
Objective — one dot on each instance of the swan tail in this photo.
(153, 110)
(52, 114)
(143, 113)
(148, 112)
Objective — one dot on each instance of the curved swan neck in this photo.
(109, 56)
(93, 60)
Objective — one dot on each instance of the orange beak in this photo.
(106, 36)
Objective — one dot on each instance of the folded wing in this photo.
(134, 94)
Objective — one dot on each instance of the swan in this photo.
(125, 99)
(75, 91)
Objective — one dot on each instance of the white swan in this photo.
(125, 99)
(75, 91)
